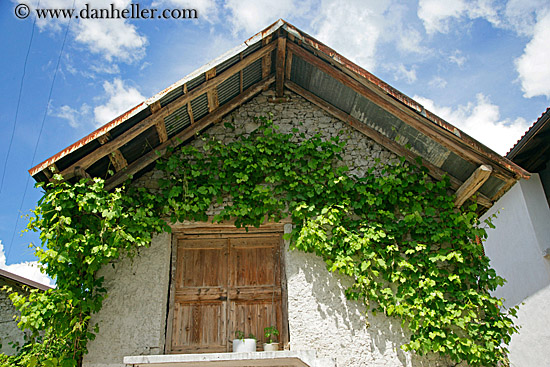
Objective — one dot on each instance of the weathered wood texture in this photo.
(280, 66)
(472, 184)
(224, 283)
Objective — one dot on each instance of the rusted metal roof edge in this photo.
(88, 138)
(407, 101)
(529, 134)
(145, 104)
(23, 280)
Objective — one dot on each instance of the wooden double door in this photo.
(222, 283)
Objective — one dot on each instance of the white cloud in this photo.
(251, 16)
(534, 65)
(206, 9)
(113, 39)
(74, 117)
(27, 269)
(521, 15)
(357, 29)
(400, 72)
(481, 120)
(353, 28)
(120, 99)
(438, 82)
(438, 14)
(457, 58)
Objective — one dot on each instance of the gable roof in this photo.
(22, 280)
(281, 56)
(532, 151)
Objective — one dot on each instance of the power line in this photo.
(39, 135)
(18, 103)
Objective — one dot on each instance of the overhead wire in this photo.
(39, 134)
(18, 103)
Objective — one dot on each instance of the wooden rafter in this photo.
(266, 60)
(186, 134)
(280, 66)
(472, 184)
(50, 171)
(381, 139)
(398, 109)
(288, 66)
(212, 93)
(160, 125)
(117, 159)
(189, 108)
(165, 111)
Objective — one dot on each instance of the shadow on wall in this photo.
(339, 325)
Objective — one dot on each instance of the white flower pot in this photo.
(271, 347)
(244, 345)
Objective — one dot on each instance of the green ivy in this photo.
(395, 232)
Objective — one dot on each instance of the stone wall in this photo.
(132, 321)
(9, 332)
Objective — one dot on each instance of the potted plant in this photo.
(242, 344)
(271, 333)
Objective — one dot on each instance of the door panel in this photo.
(223, 284)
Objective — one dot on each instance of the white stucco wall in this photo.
(515, 248)
(321, 318)
(133, 319)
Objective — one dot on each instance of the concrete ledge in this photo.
(306, 358)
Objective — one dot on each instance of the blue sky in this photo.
(482, 65)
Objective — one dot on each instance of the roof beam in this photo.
(186, 134)
(117, 159)
(280, 66)
(212, 93)
(189, 108)
(160, 125)
(472, 184)
(381, 139)
(404, 113)
(50, 171)
(288, 66)
(266, 60)
(165, 111)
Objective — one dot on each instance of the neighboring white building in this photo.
(519, 246)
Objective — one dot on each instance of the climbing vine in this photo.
(395, 232)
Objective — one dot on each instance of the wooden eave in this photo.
(279, 57)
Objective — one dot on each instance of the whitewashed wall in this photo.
(515, 248)
(133, 318)
(320, 318)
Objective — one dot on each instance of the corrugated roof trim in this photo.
(537, 125)
(404, 99)
(145, 104)
(92, 136)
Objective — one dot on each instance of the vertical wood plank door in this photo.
(224, 283)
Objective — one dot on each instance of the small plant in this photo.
(240, 335)
(271, 333)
